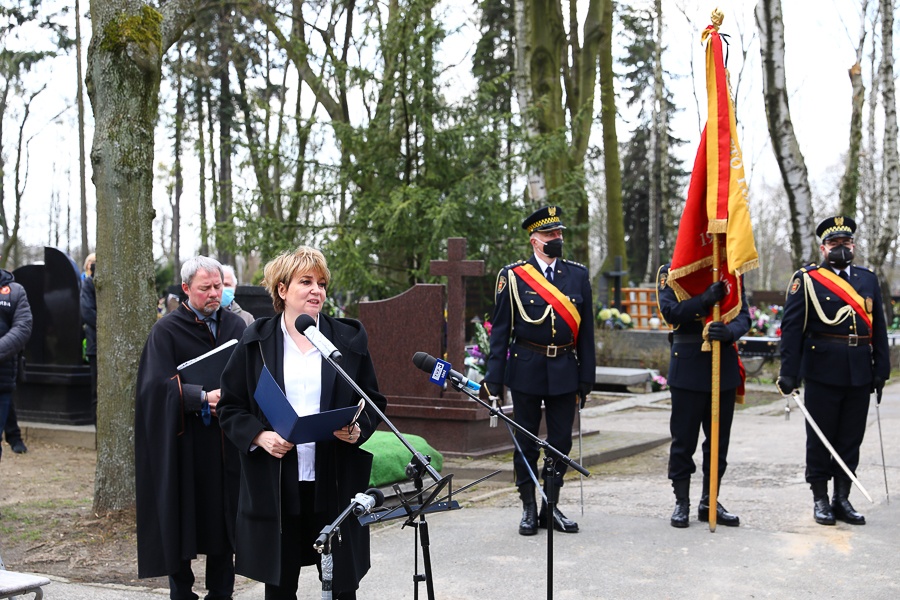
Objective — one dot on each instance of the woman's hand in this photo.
(213, 398)
(272, 443)
(349, 434)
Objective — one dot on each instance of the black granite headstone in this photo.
(56, 384)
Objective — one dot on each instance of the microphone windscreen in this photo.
(377, 494)
(303, 322)
(424, 361)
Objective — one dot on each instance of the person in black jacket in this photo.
(690, 380)
(289, 493)
(89, 318)
(186, 472)
(15, 330)
(542, 348)
(834, 337)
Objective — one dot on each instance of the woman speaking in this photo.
(289, 493)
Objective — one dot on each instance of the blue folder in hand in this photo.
(318, 427)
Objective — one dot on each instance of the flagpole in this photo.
(714, 408)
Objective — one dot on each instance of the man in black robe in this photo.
(187, 472)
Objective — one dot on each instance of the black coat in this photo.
(15, 328)
(522, 369)
(89, 314)
(269, 484)
(804, 356)
(690, 368)
(186, 473)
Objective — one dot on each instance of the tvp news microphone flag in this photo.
(717, 199)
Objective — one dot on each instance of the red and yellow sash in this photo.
(549, 292)
(845, 292)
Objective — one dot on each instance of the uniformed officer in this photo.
(690, 381)
(542, 348)
(834, 337)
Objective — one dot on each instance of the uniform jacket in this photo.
(269, 484)
(523, 369)
(690, 368)
(186, 472)
(805, 356)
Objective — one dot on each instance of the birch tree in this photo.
(794, 175)
(123, 77)
(886, 240)
(850, 181)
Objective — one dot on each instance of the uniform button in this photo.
(676, 354)
(828, 297)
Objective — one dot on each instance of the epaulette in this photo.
(511, 265)
(869, 269)
(808, 268)
(573, 263)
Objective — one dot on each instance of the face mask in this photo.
(840, 257)
(227, 296)
(553, 248)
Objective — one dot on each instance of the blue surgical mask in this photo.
(227, 296)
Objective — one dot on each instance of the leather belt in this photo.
(844, 340)
(687, 338)
(551, 351)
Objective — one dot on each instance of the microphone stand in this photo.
(418, 466)
(551, 457)
(323, 546)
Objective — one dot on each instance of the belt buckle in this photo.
(551, 348)
(853, 340)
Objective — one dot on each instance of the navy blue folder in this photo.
(318, 427)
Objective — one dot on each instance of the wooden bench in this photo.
(620, 378)
(13, 584)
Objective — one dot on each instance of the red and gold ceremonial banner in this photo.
(717, 199)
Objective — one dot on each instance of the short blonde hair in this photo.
(286, 265)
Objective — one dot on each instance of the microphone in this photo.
(364, 503)
(440, 370)
(306, 325)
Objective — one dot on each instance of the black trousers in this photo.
(560, 415)
(298, 532)
(219, 579)
(841, 413)
(690, 411)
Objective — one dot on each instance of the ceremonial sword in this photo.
(796, 396)
(881, 442)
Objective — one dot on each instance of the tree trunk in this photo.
(179, 175)
(850, 181)
(224, 242)
(82, 159)
(658, 151)
(124, 70)
(804, 247)
(615, 220)
(886, 240)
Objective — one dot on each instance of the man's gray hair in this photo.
(199, 263)
(230, 270)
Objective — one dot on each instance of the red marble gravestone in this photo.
(414, 322)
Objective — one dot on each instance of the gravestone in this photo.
(55, 386)
(414, 322)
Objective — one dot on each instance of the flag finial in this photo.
(717, 17)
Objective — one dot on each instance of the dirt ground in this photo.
(47, 525)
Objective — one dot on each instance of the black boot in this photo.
(723, 517)
(528, 524)
(840, 505)
(821, 509)
(682, 515)
(560, 521)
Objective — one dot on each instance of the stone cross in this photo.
(455, 268)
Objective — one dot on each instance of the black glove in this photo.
(714, 293)
(584, 388)
(786, 385)
(877, 387)
(719, 331)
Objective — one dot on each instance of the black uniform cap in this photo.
(544, 219)
(836, 227)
